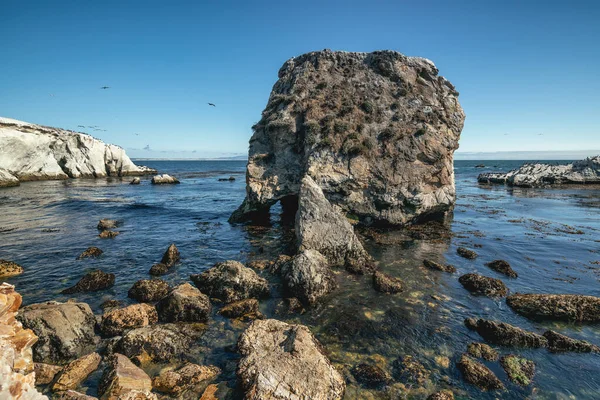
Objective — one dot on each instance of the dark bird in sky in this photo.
(137, 134)
(105, 87)
(211, 104)
(80, 126)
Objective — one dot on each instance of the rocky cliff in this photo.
(33, 152)
(583, 172)
(376, 131)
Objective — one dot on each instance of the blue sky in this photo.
(523, 68)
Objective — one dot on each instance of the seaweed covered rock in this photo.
(171, 256)
(105, 224)
(564, 307)
(484, 285)
(519, 370)
(185, 303)
(466, 253)
(90, 252)
(9, 268)
(505, 334)
(65, 330)
(92, 282)
(560, 343)
(439, 267)
(503, 267)
(442, 395)
(280, 361)
(243, 308)
(409, 370)
(377, 131)
(149, 290)
(230, 281)
(308, 276)
(482, 350)
(117, 321)
(385, 283)
(478, 374)
(371, 375)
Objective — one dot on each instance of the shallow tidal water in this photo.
(551, 237)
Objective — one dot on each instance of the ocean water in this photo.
(551, 237)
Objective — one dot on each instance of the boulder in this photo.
(149, 290)
(482, 350)
(385, 283)
(108, 234)
(33, 152)
(105, 224)
(90, 252)
(503, 267)
(478, 374)
(92, 282)
(117, 321)
(541, 175)
(484, 285)
(122, 377)
(519, 370)
(308, 276)
(158, 343)
(7, 179)
(560, 343)
(320, 227)
(442, 395)
(135, 181)
(377, 131)
(466, 253)
(177, 381)
(164, 179)
(563, 307)
(110, 304)
(210, 393)
(371, 376)
(65, 330)
(504, 334)
(9, 268)
(239, 309)
(280, 361)
(230, 281)
(45, 373)
(158, 269)
(72, 395)
(279, 262)
(76, 372)
(185, 303)
(439, 267)
(171, 256)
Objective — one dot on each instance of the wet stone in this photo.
(478, 374)
(149, 290)
(45, 373)
(442, 395)
(105, 224)
(504, 334)
(503, 267)
(439, 267)
(240, 308)
(76, 372)
(371, 375)
(562, 307)
(108, 234)
(185, 303)
(560, 343)
(479, 284)
(171, 256)
(158, 269)
(9, 268)
(482, 350)
(92, 282)
(181, 379)
(409, 370)
(466, 253)
(90, 252)
(519, 370)
(385, 283)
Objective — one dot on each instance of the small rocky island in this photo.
(583, 172)
(30, 152)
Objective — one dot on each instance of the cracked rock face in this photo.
(377, 131)
(281, 361)
(32, 152)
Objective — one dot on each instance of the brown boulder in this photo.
(92, 282)
(185, 303)
(149, 290)
(504, 334)
(116, 321)
(466, 253)
(478, 374)
(479, 284)
(179, 380)
(239, 309)
(76, 372)
(563, 307)
(121, 378)
(387, 284)
(45, 373)
(90, 252)
(503, 267)
(9, 268)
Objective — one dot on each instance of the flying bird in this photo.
(105, 87)
(211, 104)
(80, 126)
(136, 134)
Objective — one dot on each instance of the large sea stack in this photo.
(376, 131)
(30, 152)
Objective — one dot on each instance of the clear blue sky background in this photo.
(523, 68)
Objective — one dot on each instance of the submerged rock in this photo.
(149, 290)
(164, 179)
(564, 307)
(90, 252)
(230, 179)
(105, 224)
(158, 269)
(504, 334)
(76, 372)
(466, 253)
(308, 276)
(482, 350)
(239, 309)
(117, 321)
(121, 378)
(280, 361)
(320, 227)
(177, 381)
(9, 268)
(387, 284)
(230, 281)
(171, 256)
(442, 395)
(538, 175)
(519, 370)
(65, 330)
(371, 375)
(108, 234)
(185, 303)
(410, 370)
(561, 343)
(479, 284)
(503, 267)
(440, 267)
(478, 374)
(92, 282)
(377, 131)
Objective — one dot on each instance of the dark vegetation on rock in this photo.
(439, 267)
(564, 307)
(503, 267)
(484, 285)
(92, 282)
(504, 334)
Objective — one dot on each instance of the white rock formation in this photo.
(32, 152)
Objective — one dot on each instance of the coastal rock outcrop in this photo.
(519, 370)
(17, 376)
(90, 252)
(65, 330)
(121, 377)
(185, 303)
(560, 343)
(281, 361)
(439, 267)
(564, 307)
(164, 179)
(92, 282)
(376, 131)
(478, 374)
(149, 290)
(7, 179)
(116, 321)
(538, 175)
(503, 267)
(9, 268)
(505, 334)
(33, 152)
(484, 285)
(308, 276)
